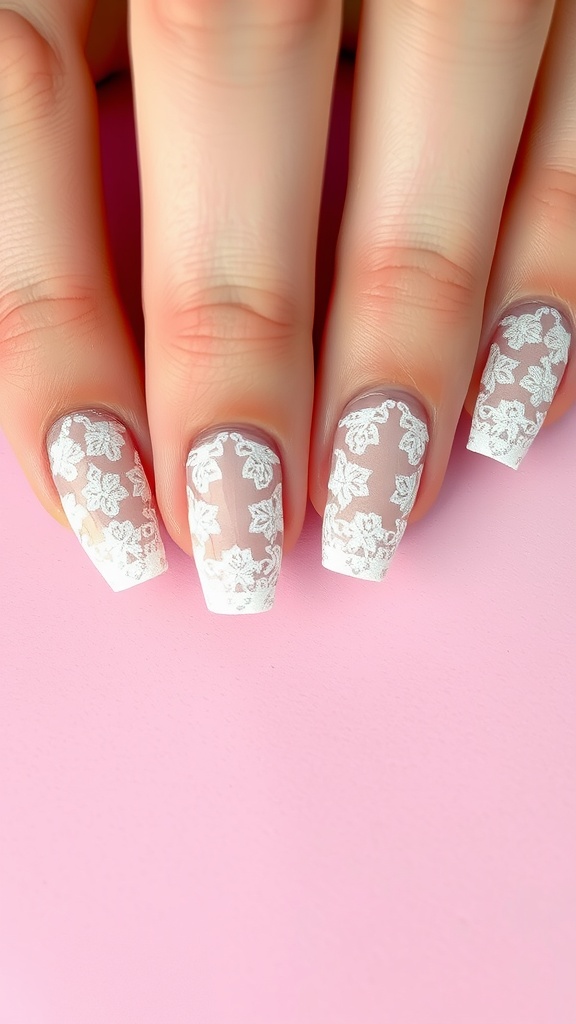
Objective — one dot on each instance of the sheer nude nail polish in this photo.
(377, 462)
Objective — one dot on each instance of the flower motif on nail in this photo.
(557, 340)
(406, 490)
(202, 461)
(124, 547)
(365, 533)
(498, 369)
(416, 438)
(103, 491)
(103, 437)
(65, 454)
(260, 460)
(202, 517)
(347, 480)
(239, 582)
(504, 424)
(362, 430)
(137, 477)
(237, 567)
(266, 516)
(360, 546)
(540, 382)
(525, 329)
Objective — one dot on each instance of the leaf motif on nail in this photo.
(406, 489)
(260, 460)
(202, 461)
(348, 480)
(362, 426)
(525, 329)
(498, 369)
(65, 454)
(540, 382)
(414, 441)
(137, 477)
(103, 491)
(266, 516)
(104, 438)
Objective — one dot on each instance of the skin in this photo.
(232, 105)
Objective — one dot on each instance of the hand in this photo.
(438, 248)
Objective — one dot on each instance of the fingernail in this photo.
(526, 361)
(106, 496)
(234, 488)
(379, 450)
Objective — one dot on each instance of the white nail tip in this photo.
(477, 444)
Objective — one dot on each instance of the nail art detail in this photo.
(234, 490)
(106, 497)
(379, 449)
(525, 365)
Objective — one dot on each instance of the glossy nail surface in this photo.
(106, 496)
(234, 488)
(526, 361)
(377, 462)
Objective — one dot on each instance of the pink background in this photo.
(359, 808)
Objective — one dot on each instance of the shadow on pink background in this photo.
(359, 808)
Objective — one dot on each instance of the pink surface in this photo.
(359, 808)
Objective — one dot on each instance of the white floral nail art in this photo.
(372, 495)
(237, 524)
(106, 497)
(524, 368)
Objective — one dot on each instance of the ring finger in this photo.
(441, 96)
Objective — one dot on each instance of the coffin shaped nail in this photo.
(234, 489)
(379, 449)
(106, 496)
(525, 365)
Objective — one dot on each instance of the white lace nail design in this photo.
(525, 365)
(106, 497)
(234, 494)
(379, 450)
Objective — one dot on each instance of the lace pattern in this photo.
(106, 497)
(525, 365)
(377, 464)
(236, 520)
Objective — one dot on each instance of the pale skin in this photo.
(232, 105)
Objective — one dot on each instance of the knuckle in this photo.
(211, 338)
(30, 322)
(389, 279)
(30, 70)
(214, 17)
(505, 12)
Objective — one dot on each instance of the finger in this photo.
(531, 298)
(70, 383)
(441, 95)
(232, 105)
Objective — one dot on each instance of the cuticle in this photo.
(397, 393)
(511, 308)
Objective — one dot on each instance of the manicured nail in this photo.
(106, 496)
(525, 365)
(379, 450)
(234, 487)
